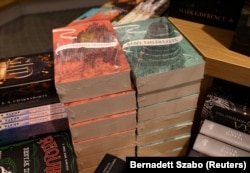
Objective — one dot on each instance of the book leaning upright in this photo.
(226, 134)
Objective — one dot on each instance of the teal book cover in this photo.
(52, 152)
(159, 55)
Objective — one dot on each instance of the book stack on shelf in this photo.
(225, 120)
(167, 73)
(92, 79)
(51, 152)
(30, 105)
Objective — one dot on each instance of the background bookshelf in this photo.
(221, 62)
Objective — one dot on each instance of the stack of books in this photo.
(52, 152)
(225, 120)
(29, 104)
(167, 72)
(92, 79)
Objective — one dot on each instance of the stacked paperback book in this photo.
(92, 79)
(167, 73)
(225, 127)
(30, 105)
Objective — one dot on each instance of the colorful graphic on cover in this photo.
(47, 153)
(87, 50)
(155, 46)
(26, 69)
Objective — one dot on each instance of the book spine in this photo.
(230, 118)
(32, 115)
(226, 134)
(33, 121)
(30, 110)
(215, 148)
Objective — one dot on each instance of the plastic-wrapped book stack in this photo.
(92, 79)
(167, 72)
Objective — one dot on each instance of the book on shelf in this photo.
(26, 69)
(101, 106)
(218, 13)
(228, 103)
(111, 164)
(226, 134)
(52, 152)
(89, 58)
(214, 148)
(24, 97)
(241, 38)
(159, 55)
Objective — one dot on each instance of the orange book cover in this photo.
(89, 61)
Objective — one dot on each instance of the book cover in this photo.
(159, 55)
(228, 103)
(226, 134)
(111, 164)
(28, 96)
(89, 58)
(104, 143)
(215, 148)
(219, 13)
(167, 107)
(241, 39)
(93, 161)
(97, 107)
(26, 69)
(46, 153)
(103, 125)
(17, 134)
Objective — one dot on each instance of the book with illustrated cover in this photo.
(214, 148)
(226, 134)
(241, 39)
(51, 152)
(159, 55)
(219, 13)
(97, 107)
(228, 103)
(28, 96)
(89, 61)
(26, 69)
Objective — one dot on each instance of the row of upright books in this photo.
(224, 127)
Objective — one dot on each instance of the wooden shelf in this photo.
(213, 43)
